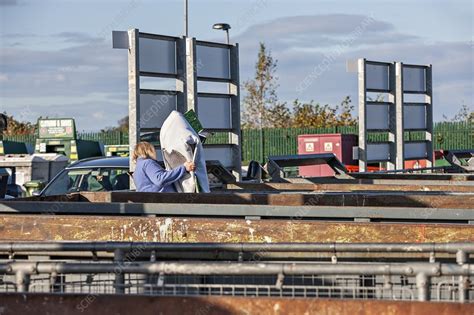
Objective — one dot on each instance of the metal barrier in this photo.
(403, 281)
(135, 269)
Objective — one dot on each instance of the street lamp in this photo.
(223, 26)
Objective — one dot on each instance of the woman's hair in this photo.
(144, 150)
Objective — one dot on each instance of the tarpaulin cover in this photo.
(181, 143)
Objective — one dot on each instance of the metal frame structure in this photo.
(386, 281)
(394, 116)
(366, 125)
(185, 66)
(403, 117)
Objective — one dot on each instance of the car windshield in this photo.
(88, 179)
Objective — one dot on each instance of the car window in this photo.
(93, 179)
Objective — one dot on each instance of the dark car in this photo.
(93, 174)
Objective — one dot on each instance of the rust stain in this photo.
(178, 229)
(126, 304)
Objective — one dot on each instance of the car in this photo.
(92, 174)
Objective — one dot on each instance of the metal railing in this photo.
(135, 269)
(394, 281)
(460, 249)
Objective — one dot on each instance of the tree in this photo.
(16, 127)
(122, 126)
(322, 116)
(279, 116)
(465, 114)
(261, 107)
(344, 113)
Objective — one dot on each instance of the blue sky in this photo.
(56, 57)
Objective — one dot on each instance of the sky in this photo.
(56, 57)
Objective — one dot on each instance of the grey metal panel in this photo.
(155, 109)
(378, 151)
(377, 76)
(414, 79)
(157, 56)
(120, 39)
(414, 116)
(212, 62)
(214, 112)
(242, 210)
(378, 116)
(415, 150)
(222, 153)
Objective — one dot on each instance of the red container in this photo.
(339, 144)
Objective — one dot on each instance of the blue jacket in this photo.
(149, 176)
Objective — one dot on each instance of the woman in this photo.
(149, 176)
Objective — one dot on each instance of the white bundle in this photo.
(180, 143)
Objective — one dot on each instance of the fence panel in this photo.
(258, 144)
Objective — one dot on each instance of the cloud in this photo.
(319, 32)
(77, 81)
(8, 2)
(88, 79)
(312, 52)
(72, 72)
(78, 38)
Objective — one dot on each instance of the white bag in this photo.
(180, 143)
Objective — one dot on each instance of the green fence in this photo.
(258, 144)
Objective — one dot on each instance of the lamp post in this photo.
(225, 27)
(186, 18)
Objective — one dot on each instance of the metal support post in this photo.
(422, 284)
(22, 281)
(399, 134)
(191, 75)
(429, 115)
(119, 283)
(133, 95)
(362, 115)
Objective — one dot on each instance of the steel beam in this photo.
(355, 186)
(243, 211)
(192, 230)
(424, 199)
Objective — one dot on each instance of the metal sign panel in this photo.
(223, 154)
(414, 116)
(377, 77)
(414, 79)
(213, 62)
(56, 129)
(395, 116)
(157, 55)
(186, 61)
(415, 150)
(120, 39)
(378, 116)
(154, 109)
(214, 112)
(378, 152)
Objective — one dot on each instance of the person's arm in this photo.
(161, 177)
